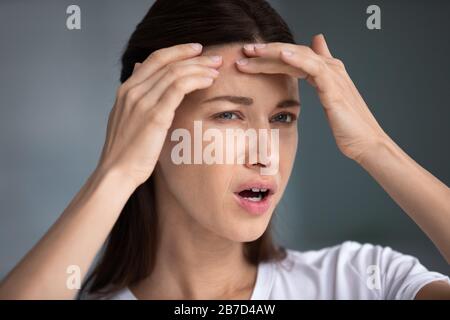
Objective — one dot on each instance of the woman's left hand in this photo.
(354, 127)
(421, 195)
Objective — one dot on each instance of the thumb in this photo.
(319, 46)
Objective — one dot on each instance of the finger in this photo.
(267, 49)
(150, 96)
(273, 51)
(175, 93)
(249, 48)
(118, 112)
(159, 58)
(208, 61)
(319, 45)
(318, 71)
(197, 64)
(300, 57)
(136, 66)
(269, 66)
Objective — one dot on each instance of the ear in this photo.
(319, 46)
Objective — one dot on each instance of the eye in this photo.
(283, 117)
(228, 115)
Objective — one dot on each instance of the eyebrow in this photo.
(246, 101)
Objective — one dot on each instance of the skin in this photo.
(203, 227)
(359, 137)
(207, 263)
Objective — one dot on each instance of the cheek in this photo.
(198, 187)
(215, 183)
(288, 149)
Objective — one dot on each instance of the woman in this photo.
(202, 230)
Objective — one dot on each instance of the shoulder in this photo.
(352, 270)
(349, 253)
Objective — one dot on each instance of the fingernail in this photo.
(196, 46)
(260, 45)
(248, 46)
(287, 53)
(242, 61)
(215, 58)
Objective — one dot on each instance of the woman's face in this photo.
(214, 195)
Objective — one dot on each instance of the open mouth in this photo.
(254, 194)
(255, 197)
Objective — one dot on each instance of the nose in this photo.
(263, 153)
(257, 165)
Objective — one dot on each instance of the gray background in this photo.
(57, 88)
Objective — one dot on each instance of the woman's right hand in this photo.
(145, 107)
(137, 127)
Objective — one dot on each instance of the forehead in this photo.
(261, 87)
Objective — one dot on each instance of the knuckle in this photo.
(281, 45)
(158, 118)
(321, 65)
(142, 105)
(179, 85)
(155, 56)
(121, 91)
(132, 95)
(309, 62)
(308, 50)
(338, 63)
(173, 71)
(276, 45)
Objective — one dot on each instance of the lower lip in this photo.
(253, 207)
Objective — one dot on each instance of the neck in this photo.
(192, 262)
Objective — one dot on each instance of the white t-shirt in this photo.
(350, 270)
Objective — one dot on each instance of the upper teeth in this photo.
(259, 190)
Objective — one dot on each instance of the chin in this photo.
(246, 232)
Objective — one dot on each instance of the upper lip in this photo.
(271, 186)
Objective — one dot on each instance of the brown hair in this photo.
(130, 251)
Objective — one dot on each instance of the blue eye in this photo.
(227, 116)
(283, 117)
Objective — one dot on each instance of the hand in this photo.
(354, 128)
(145, 106)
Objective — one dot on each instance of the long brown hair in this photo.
(130, 251)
